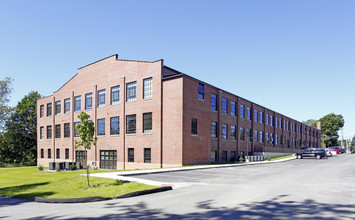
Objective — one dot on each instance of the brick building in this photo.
(148, 115)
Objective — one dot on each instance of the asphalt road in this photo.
(297, 189)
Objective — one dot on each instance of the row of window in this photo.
(100, 128)
(57, 153)
(131, 96)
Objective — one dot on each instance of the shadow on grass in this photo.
(20, 191)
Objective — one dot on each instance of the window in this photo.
(88, 101)
(194, 126)
(213, 129)
(201, 91)
(41, 132)
(42, 153)
(101, 98)
(224, 156)
(41, 113)
(242, 131)
(242, 111)
(80, 156)
(131, 124)
(280, 124)
(233, 132)
(66, 105)
(115, 95)
(276, 122)
(75, 131)
(108, 159)
(57, 131)
(49, 132)
(66, 130)
(248, 113)
(267, 137)
(233, 113)
(131, 91)
(261, 117)
(255, 135)
(147, 155)
(224, 131)
(271, 120)
(57, 107)
(272, 138)
(66, 153)
(49, 109)
(261, 139)
(57, 153)
(249, 135)
(115, 125)
(147, 88)
(147, 122)
(232, 156)
(256, 115)
(225, 105)
(77, 103)
(267, 119)
(276, 139)
(101, 126)
(213, 102)
(49, 153)
(130, 154)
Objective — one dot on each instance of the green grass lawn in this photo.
(283, 157)
(28, 182)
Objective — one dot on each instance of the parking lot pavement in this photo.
(298, 189)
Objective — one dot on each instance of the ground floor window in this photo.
(233, 153)
(66, 153)
(130, 154)
(81, 157)
(224, 156)
(108, 159)
(42, 153)
(58, 153)
(213, 156)
(49, 153)
(147, 155)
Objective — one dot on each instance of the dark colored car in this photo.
(318, 153)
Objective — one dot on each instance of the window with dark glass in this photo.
(131, 124)
(213, 129)
(66, 153)
(224, 131)
(233, 113)
(42, 153)
(88, 101)
(108, 159)
(249, 135)
(233, 132)
(57, 107)
(248, 113)
(147, 88)
(49, 132)
(76, 134)
(267, 137)
(80, 156)
(147, 155)
(41, 132)
(242, 111)
(225, 105)
(49, 109)
(58, 153)
(101, 98)
(224, 156)
(66, 130)
(115, 95)
(41, 113)
(115, 125)
(66, 105)
(213, 102)
(233, 156)
(242, 131)
(272, 138)
(147, 122)
(130, 154)
(131, 91)
(255, 136)
(101, 126)
(57, 131)
(77, 103)
(256, 115)
(280, 124)
(49, 153)
(201, 91)
(276, 122)
(194, 126)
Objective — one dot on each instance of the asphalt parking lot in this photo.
(297, 189)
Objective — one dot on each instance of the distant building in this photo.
(148, 115)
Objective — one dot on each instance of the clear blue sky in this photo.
(295, 57)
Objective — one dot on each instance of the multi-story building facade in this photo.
(148, 115)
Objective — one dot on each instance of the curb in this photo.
(98, 199)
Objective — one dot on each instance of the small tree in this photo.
(86, 132)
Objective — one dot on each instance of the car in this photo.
(328, 152)
(335, 149)
(318, 153)
(332, 151)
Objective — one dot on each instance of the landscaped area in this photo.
(29, 182)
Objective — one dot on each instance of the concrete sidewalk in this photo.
(128, 175)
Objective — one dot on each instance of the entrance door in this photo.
(108, 159)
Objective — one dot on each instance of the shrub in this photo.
(57, 168)
(40, 167)
(72, 167)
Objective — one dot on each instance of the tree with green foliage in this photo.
(352, 145)
(5, 110)
(18, 144)
(86, 133)
(331, 124)
(311, 122)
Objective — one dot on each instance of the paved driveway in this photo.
(298, 189)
